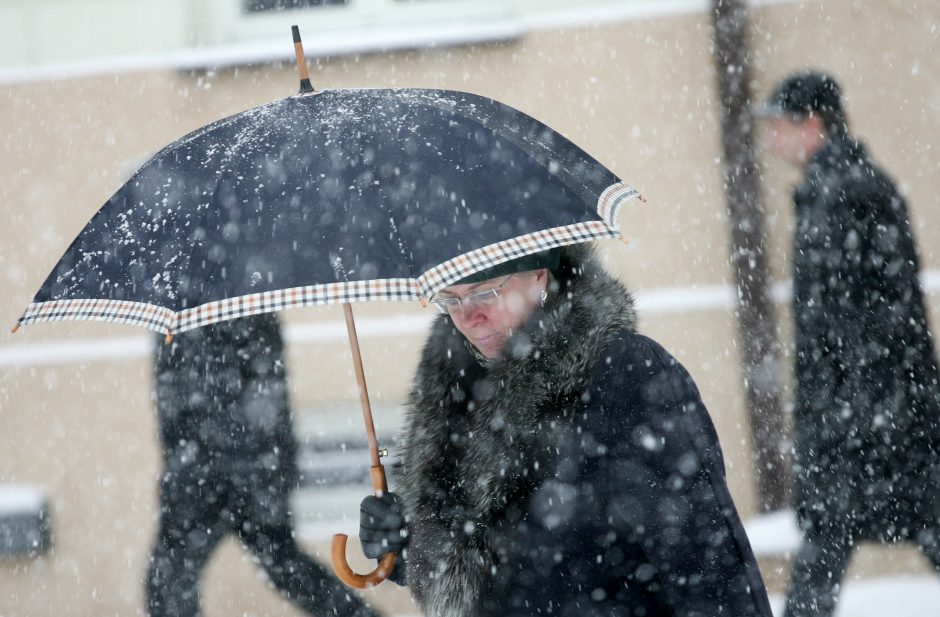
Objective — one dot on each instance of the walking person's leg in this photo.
(816, 577)
(298, 577)
(266, 529)
(190, 529)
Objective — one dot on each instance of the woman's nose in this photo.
(471, 313)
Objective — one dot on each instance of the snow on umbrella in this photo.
(336, 196)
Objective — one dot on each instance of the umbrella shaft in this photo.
(361, 381)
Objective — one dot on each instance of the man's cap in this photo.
(805, 92)
(536, 261)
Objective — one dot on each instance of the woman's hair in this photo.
(535, 261)
(572, 262)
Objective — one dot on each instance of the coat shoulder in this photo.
(643, 389)
(634, 362)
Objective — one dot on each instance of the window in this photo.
(263, 6)
(259, 30)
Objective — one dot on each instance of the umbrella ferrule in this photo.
(305, 85)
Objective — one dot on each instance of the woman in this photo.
(558, 463)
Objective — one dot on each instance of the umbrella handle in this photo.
(359, 581)
(341, 566)
(376, 471)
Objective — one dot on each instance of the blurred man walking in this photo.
(229, 467)
(867, 402)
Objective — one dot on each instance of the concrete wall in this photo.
(638, 95)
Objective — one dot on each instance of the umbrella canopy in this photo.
(325, 197)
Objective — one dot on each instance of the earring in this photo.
(542, 298)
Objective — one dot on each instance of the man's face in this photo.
(794, 139)
(488, 325)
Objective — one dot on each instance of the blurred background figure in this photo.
(229, 467)
(866, 402)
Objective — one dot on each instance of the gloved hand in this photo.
(382, 526)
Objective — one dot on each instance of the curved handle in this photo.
(359, 581)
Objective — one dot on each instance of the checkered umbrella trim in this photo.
(609, 205)
(455, 269)
(95, 309)
(378, 290)
(165, 320)
(611, 201)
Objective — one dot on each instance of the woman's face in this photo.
(489, 326)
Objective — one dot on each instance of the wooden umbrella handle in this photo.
(341, 566)
(376, 471)
(359, 581)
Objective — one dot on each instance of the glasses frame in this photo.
(450, 306)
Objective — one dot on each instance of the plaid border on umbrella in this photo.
(378, 290)
(455, 269)
(612, 199)
(165, 320)
(95, 309)
(608, 207)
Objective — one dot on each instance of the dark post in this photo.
(759, 354)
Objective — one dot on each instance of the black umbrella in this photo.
(337, 196)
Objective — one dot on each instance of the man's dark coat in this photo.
(866, 415)
(229, 467)
(579, 474)
(225, 418)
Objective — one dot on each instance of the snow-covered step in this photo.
(25, 528)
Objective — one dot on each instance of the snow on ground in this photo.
(890, 596)
(776, 535)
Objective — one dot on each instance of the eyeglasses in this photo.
(486, 297)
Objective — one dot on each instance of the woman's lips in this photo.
(487, 341)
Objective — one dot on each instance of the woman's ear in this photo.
(542, 278)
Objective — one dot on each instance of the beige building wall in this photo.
(638, 95)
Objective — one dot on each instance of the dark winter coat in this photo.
(866, 411)
(222, 401)
(579, 474)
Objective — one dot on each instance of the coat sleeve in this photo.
(665, 487)
(876, 300)
(882, 262)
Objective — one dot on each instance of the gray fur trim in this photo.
(469, 441)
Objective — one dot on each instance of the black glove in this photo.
(382, 527)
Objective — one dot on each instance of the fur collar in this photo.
(470, 443)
